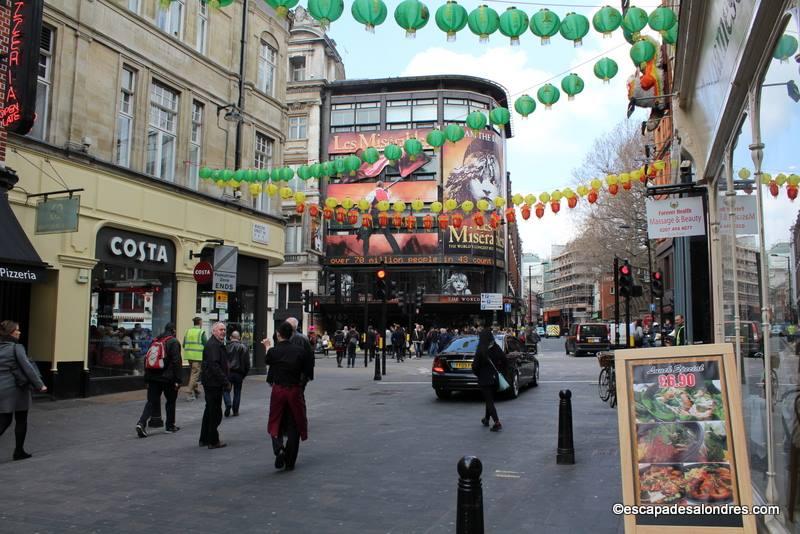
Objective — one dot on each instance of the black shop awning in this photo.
(19, 261)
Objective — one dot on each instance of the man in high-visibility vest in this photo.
(193, 342)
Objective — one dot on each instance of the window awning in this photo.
(19, 261)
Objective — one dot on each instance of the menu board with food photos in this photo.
(682, 438)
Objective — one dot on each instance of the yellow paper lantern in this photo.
(450, 204)
(556, 196)
(417, 205)
(794, 179)
(383, 205)
(272, 190)
(286, 193)
(331, 202)
(347, 203)
(569, 193)
(744, 173)
(436, 207)
(517, 199)
(399, 206)
(544, 198)
(766, 178)
(611, 179)
(582, 190)
(467, 206)
(596, 184)
(499, 202)
(233, 183)
(221, 183)
(780, 179)
(255, 189)
(483, 204)
(363, 204)
(530, 200)
(659, 165)
(624, 178)
(299, 197)
(637, 174)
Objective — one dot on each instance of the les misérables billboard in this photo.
(472, 170)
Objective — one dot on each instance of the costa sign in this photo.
(141, 251)
(203, 272)
(18, 111)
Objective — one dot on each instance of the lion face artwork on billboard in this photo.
(473, 170)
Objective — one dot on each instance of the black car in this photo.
(587, 339)
(452, 368)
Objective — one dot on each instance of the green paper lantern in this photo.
(227, 175)
(435, 138)
(786, 47)
(275, 175)
(500, 116)
(572, 84)
(282, 7)
(413, 148)
(328, 169)
(240, 175)
(662, 19)
(476, 121)
(204, 173)
(513, 23)
(671, 35)
(411, 15)
(370, 13)
(634, 20)
(483, 21)
(525, 105)
(451, 18)
(316, 170)
(287, 173)
(252, 176)
(548, 95)
(628, 36)
(220, 3)
(262, 175)
(339, 166)
(216, 175)
(545, 24)
(325, 11)
(606, 20)
(454, 133)
(392, 152)
(574, 28)
(642, 51)
(304, 172)
(351, 164)
(370, 155)
(605, 69)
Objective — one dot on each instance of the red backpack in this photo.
(154, 359)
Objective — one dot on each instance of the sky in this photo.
(549, 144)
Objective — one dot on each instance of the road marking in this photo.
(426, 382)
(568, 381)
(507, 474)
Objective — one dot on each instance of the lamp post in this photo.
(530, 294)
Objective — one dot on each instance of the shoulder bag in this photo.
(502, 383)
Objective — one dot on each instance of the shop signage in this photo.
(18, 111)
(682, 440)
(203, 272)
(58, 215)
(491, 301)
(744, 215)
(122, 247)
(226, 260)
(675, 217)
(458, 299)
(260, 233)
(221, 300)
(21, 273)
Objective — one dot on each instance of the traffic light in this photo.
(380, 284)
(625, 277)
(331, 283)
(419, 296)
(392, 289)
(401, 298)
(306, 300)
(657, 283)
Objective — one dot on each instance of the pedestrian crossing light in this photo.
(306, 301)
(625, 277)
(419, 296)
(392, 289)
(380, 284)
(657, 283)
(401, 298)
(331, 284)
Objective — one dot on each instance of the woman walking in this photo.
(17, 376)
(489, 360)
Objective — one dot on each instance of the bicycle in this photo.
(607, 381)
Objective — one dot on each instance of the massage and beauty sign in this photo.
(675, 217)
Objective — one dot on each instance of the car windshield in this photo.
(594, 330)
(468, 344)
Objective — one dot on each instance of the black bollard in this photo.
(566, 450)
(469, 507)
(377, 375)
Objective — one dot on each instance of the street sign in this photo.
(203, 272)
(652, 307)
(226, 260)
(507, 307)
(491, 301)
(221, 300)
(58, 215)
(260, 233)
(675, 217)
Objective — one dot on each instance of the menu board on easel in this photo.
(682, 443)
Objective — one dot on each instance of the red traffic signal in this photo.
(381, 274)
(657, 275)
(624, 270)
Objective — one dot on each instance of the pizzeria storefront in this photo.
(737, 121)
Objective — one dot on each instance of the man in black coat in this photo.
(163, 374)
(214, 376)
(371, 344)
(302, 341)
(238, 368)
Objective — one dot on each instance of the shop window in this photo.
(44, 85)
(127, 101)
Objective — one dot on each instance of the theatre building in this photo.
(104, 229)
(441, 272)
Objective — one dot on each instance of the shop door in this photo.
(15, 305)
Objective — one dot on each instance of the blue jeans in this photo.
(433, 349)
(236, 386)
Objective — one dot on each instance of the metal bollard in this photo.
(469, 509)
(566, 450)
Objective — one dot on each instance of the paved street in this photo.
(381, 457)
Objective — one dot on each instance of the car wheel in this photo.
(513, 391)
(535, 381)
(442, 394)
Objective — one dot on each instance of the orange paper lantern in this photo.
(458, 220)
(791, 192)
(572, 202)
(397, 220)
(526, 212)
(444, 221)
(383, 219)
(494, 220)
(340, 214)
(613, 189)
(300, 208)
(539, 210)
(411, 222)
(555, 206)
(327, 213)
(427, 222)
(366, 220)
(627, 185)
(478, 219)
(774, 189)
(352, 216)
(511, 215)
(592, 197)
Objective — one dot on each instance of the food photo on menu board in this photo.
(683, 448)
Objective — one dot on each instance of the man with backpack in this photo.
(238, 368)
(163, 371)
(352, 345)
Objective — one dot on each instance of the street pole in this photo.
(649, 275)
(366, 315)
(383, 332)
(237, 154)
(494, 274)
(530, 306)
(616, 300)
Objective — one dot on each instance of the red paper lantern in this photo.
(774, 189)
(627, 185)
(539, 210)
(748, 189)
(300, 208)
(613, 189)
(526, 212)
(366, 220)
(411, 222)
(478, 219)
(458, 220)
(352, 216)
(327, 213)
(313, 210)
(341, 213)
(555, 206)
(494, 220)
(511, 215)
(643, 178)
(791, 192)
(427, 222)
(572, 202)
(592, 197)
(383, 219)
(444, 221)
(397, 220)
